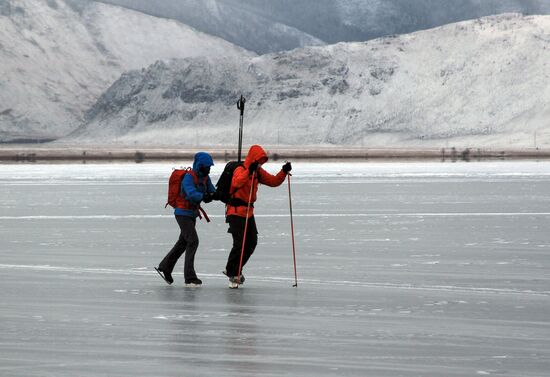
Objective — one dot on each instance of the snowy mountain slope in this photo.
(483, 81)
(57, 58)
(384, 17)
(267, 26)
(258, 26)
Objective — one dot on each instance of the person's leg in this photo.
(251, 240)
(192, 240)
(168, 263)
(236, 228)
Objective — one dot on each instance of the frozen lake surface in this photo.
(409, 269)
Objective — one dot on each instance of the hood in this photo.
(255, 153)
(202, 159)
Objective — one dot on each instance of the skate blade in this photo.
(162, 276)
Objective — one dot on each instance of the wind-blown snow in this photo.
(474, 83)
(57, 58)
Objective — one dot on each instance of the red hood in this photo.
(255, 154)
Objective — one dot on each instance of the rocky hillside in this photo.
(58, 56)
(482, 82)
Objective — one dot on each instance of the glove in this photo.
(253, 167)
(287, 168)
(207, 197)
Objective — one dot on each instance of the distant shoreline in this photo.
(33, 154)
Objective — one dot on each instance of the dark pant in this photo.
(187, 243)
(236, 228)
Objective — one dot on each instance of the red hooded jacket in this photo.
(242, 181)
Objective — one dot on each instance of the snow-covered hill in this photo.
(267, 26)
(58, 56)
(483, 82)
(262, 26)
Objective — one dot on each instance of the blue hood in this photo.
(202, 159)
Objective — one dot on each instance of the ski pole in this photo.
(240, 106)
(292, 232)
(246, 225)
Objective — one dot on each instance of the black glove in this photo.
(287, 168)
(253, 167)
(207, 197)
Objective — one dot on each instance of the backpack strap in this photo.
(203, 213)
(196, 181)
(193, 174)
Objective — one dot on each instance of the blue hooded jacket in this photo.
(195, 193)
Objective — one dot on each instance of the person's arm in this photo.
(269, 179)
(191, 192)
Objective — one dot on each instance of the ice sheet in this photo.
(404, 270)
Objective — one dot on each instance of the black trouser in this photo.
(187, 243)
(236, 228)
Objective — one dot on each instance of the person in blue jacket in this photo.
(196, 187)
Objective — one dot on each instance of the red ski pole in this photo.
(246, 226)
(292, 232)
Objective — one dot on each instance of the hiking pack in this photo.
(176, 199)
(174, 185)
(223, 187)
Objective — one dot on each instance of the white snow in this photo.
(481, 83)
(57, 59)
(268, 26)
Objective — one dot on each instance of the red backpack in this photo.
(175, 198)
(174, 186)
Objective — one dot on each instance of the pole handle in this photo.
(240, 104)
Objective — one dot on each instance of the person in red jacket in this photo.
(241, 186)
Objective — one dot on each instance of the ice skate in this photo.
(196, 282)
